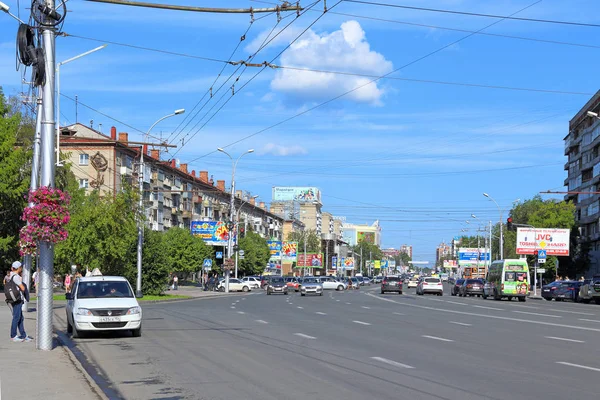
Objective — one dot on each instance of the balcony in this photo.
(126, 171)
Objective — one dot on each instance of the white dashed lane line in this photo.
(538, 314)
(361, 323)
(241, 312)
(302, 335)
(437, 338)
(320, 313)
(456, 302)
(391, 362)
(302, 308)
(460, 323)
(564, 339)
(490, 308)
(589, 320)
(366, 308)
(348, 303)
(261, 321)
(571, 312)
(578, 366)
(397, 313)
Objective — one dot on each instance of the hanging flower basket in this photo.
(46, 219)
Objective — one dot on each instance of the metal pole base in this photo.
(138, 294)
(45, 300)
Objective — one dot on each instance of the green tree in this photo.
(256, 254)
(312, 238)
(185, 253)
(155, 269)
(14, 180)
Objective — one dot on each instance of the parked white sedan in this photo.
(252, 281)
(235, 285)
(101, 303)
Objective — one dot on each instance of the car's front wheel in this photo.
(245, 289)
(69, 326)
(75, 333)
(137, 332)
(340, 288)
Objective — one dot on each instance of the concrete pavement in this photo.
(354, 345)
(38, 374)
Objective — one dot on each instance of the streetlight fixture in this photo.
(58, 164)
(138, 286)
(237, 222)
(231, 207)
(593, 114)
(6, 8)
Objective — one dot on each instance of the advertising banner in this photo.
(377, 264)
(289, 251)
(554, 241)
(275, 249)
(310, 260)
(348, 263)
(300, 194)
(392, 264)
(469, 255)
(214, 233)
(334, 262)
(384, 264)
(368, 237)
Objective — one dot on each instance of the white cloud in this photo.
(343, 50)
(279, 150)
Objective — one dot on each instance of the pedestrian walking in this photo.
(36, 279)
(175, 282)
(6, 277)
(16, 304)
(68, 283)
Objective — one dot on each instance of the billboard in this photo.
(289, 251)
(392, 264)
(348, 263)
(310, 260)
(301, 194)
(376, 264)
(554, 241)
(214, 233)
(469, 255)
(275, 249)
(368, 237)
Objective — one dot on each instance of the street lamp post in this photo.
(58, 164)
(501, 225)
(237, 222)
(231, 208)
(138, 285)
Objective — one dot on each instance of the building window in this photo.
(83, 184)
(84, 159)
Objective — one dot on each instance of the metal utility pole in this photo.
(304, 240)
(141, 212)
(237, 223)
(35, 171)
(46, 249)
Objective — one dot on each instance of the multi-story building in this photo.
(173, 196)
(582, 147)
(354, 234)
(408, 249)
(443, 251)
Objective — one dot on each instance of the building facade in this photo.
(582, 147)
(408, 249)
(443, 251)
(354, 233)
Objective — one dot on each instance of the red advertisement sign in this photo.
(310, 260)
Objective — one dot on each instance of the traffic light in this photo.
(509, 224)
(242, 231)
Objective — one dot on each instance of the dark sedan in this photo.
(568, 290)
(471, 287)
(277, 285)
(456, 287)
(549, 290)
(391, 284)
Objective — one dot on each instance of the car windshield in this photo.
(460, 281)
(309, 280)
(392, 279)
(473, 281)
(432, 280)
(99, 289)
(277, 280)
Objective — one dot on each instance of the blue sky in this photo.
(415, 155)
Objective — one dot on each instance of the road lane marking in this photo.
(320, 313)
(460, 323)
(261, 321)
(232, 307)
(237, 301)
(366, 308)
(348, 303)
(541, 315)
(302, 308)
(532, 307)
(578, 366)
(337, 300)
(581, 328)
(428, 298)
(571, 312)
(391, 362)
(564, 339)
(437, 338)
(490, 308)
(241, 312)
(588, 320)
(397, 313)
(302, 335)
(456, 302)
(361, 323)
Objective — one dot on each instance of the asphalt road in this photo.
(355, 345)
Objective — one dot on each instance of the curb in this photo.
(191, 298)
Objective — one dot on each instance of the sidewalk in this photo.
(37, 374)
(194, 291)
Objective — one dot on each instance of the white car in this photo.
(412, 283)
(430, 285)
(253, 282)
(103, 303)
(331, 283)
(235, 285)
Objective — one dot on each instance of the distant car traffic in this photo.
(277, 285)
(471, 287)
(456, 287)
(391, 284)
(311, 286)
(332, 283)
(103, 303)
(413, 282)
(377, 279)
(292, 283)
(549, 290)
(430, 285)
(235, 285)
(252, 281)
(355, 283)
(568, 290)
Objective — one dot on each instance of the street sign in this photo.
(241, 252)
(541, 260)
(219, 254)
(541, 270)
(207, 263)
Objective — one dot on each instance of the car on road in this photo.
(103, 303)
(367, 281)
(430, 285)
(277, 285)
(332, 283)
(292, 283)
(471, 287)
(549, 290)
(413, 282)
(235, 285)
(455, 289)
(252, 281)
(311, 286)
(361, 280)
(377, 279)
(391, 284)
(586, 291)
(568, 290)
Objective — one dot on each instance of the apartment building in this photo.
(582, 147)
(442, 251)
(173, 195)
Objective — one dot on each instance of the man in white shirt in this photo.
(17, 306)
